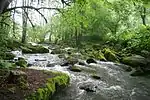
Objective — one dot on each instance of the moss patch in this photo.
(21, 62)
(7, 55)
(28, 48)
(110, 55)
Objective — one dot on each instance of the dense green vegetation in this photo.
(105, 30)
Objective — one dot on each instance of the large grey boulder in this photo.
(135, 61)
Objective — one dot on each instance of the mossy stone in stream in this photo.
(75, 69)
(21, 62)
(52, 84)
(135, 61)
(28, 48)
(91, 60)
(110, 55)
(100, 56)
(57, 51)
(96, 76)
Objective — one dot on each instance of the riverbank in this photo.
(30, 84)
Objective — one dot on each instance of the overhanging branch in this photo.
(34, 8)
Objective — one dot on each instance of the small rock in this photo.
(145, 53)
(40, 59)
(89, 87)
(90, 60)
(75, 69)
(70, 61)
(81, 62)
(96, 77)
(137, 73)
(51, 65)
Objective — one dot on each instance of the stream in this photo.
(115, 83)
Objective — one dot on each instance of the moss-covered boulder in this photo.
(28, 48)
(145, 53)
(135, 61)
(21, 62)
(25, 50)
(70, 61)
(57, 51)
(110, 55)
(100, 56)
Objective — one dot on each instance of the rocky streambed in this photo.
(97, 80)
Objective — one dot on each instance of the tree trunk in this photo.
(143, 16)
(24, 23)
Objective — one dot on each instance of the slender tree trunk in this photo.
(143, 15)
(24, 23)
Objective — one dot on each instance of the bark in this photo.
(24, 23)
(143, 16)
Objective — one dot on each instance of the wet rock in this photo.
(124, 67)
(110, 55)
(135, 61)
(70, 61)
(101, 56)
(145, 53)
(75, 69)
(26, 50)
(128, 69)
(137, 73)
(91, 60)
(57, 51)
(81, 62)
(89, 87)
(51, 65)
(96, 76)
(44, 59)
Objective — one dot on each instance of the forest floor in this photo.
(35, 79)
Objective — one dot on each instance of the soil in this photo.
(35, 79)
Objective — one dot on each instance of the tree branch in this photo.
(34, 8)
(31, 7)
(29, 19)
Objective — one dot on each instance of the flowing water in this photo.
(115, 83)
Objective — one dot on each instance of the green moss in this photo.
(99, 55)
(28, 48)
(21, 62)
(6, 55)
(110, 55)
(45, 93)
